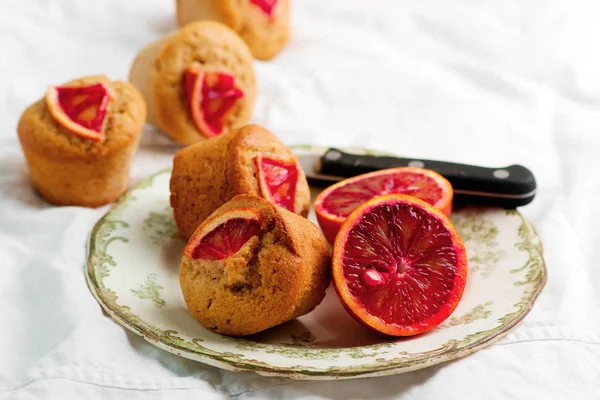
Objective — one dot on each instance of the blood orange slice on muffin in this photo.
(335, 203)
(211, 97)
(267, 6)
(81, 109)
(399, 265)
(224, 236)
(277, 181)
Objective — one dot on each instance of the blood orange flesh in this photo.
(278, 180)
(335, 203)
(80, 109)
(399, 265)
(267, 6)
(211, 97)
(220, 239)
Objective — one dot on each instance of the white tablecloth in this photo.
(484, 82)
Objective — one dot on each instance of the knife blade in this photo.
(507, 187)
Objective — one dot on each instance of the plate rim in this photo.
(165, 340)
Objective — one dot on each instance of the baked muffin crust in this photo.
(208, 174)
(275, 277)
(265, 35)
(67, 169)
(157, 72)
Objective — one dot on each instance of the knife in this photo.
(507, 187)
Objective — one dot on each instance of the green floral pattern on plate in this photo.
(134, 257)
(160, 226)
(481, 236)
(482, 311)
(150, 290)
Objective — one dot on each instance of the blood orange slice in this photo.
(267, 6)
(81, 109)
(399, 265)
(277, 181)
(211, 98)
(335, 203)
(225, 235)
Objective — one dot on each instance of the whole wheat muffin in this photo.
(252, 265)
(80, 139)
(263, 24)
(198, 82)
(249, 160)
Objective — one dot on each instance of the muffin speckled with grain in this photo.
(79, 140)
(198, 82)
(252, 265)
(249, 160)
(263, 24)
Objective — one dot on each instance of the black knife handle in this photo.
(507, 187)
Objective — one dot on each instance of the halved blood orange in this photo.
(80, 109)
(335, 203)
(277, 181)
(267, 6)
(399, 265)
(224, 235)
(211, 98)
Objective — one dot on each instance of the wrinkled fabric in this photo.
(486, 82)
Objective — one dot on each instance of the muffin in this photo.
(252, 265)
(79, 140)
(263, 24)
(198, 82)
(249, 160)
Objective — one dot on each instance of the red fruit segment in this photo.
(408, 258)
(345, 199)
(226, 240)
(81, 110)
(223, 234)
(211, 98)
(277, 181)
(267, 6)
(335, 203)
(399, 265)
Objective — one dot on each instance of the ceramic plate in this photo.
(132, 271)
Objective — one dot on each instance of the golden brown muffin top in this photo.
(211, 46)
(125, 117)
(206, 43)
(250, 141)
